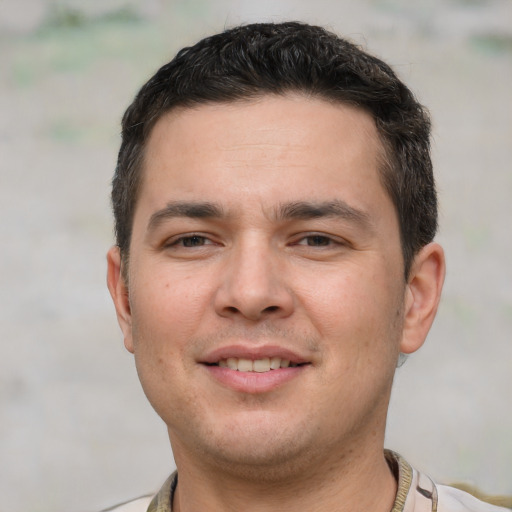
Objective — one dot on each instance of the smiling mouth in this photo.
(265, 364)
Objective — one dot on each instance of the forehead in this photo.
(294, 112)
(263, 149)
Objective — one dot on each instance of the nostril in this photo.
(271, 309)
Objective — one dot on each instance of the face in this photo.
(265, 302)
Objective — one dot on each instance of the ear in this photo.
(120, 295)
(423, 292)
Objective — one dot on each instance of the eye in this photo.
(190, 241)
(193, 241)
(316, 241)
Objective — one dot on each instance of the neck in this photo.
(351, 483)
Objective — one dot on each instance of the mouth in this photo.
(261, 365)
(254, 370)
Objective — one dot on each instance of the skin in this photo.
(254, 271)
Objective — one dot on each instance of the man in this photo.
(275, 213)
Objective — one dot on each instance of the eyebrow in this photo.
(194, 210)
(305, 210)
(301, 210)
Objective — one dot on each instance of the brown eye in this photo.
(317, 240)
(192, 241)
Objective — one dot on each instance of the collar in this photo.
(416, 491)
(422, 499)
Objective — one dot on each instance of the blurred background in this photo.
(76, 433)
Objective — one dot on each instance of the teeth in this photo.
(275, 363)
(259, 365)
(245, 365)
(232, 363)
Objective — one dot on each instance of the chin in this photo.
(255, 446)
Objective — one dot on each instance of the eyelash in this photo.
(324, 240)
(182, 241)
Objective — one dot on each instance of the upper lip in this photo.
(253, 353)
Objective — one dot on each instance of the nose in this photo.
(253, 285)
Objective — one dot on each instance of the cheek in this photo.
(166, 312)
(356, 310)
(337, 296)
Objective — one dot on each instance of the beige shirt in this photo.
(416, 493)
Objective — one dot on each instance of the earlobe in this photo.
(422, 296)
(119, 292)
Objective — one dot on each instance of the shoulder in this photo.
(138, 505)
(417, 492)
(455, 500)
(161, 502)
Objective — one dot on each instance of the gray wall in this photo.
(76, 433)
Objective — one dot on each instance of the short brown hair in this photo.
(254, 60)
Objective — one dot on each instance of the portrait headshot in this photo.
(307, 302)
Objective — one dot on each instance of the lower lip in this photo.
(254, 382)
